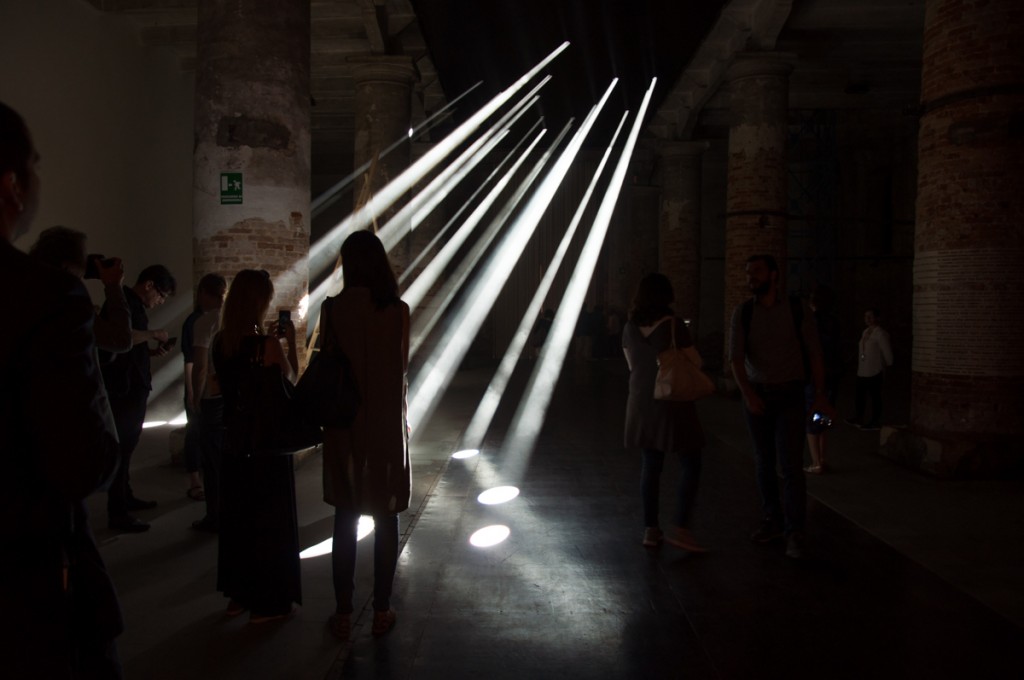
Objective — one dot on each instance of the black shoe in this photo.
(128, 523)
(206, 525)
(769, 531)
(134, 503)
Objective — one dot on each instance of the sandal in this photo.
(340, 625)
(383, 622)
(196, 493)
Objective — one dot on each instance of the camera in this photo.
(284, 317)
(91, 270)
(821, 420)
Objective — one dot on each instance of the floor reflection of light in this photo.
(498, 495)
(490, 536)
(364, 529)
(466, 453)
(153, 423)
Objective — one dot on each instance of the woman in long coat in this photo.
(366, 466)
(658, 426)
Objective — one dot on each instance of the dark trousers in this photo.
(129, 414)
(778, 438)
(211, 444)
(192, 452)
(869, 387)
(686, 487)
(343, 558)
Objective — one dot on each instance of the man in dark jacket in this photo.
(58, 446)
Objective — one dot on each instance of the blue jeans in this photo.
(778, 437)
(686, 488)
(343, 558)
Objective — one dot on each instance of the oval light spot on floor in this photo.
(465, 453)
(489, 536)
(498, 495)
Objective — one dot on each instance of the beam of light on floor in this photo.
(452, 284)
(364, 529)
(391, 233)
(437, 374)
(323, 252)
(529, 417)
(332, 194)
(422, 284)
(488, 406)
(491, 536)
(423, 203)
(465, 206)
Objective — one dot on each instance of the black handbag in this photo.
(327, 389)
(267, 419)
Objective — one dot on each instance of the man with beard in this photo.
(773, 346)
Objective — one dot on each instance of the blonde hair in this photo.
(245, 308)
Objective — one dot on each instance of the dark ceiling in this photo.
(496, 41)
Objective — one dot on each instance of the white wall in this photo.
(112, 120)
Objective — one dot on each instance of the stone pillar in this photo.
(679, 226)
(252, 144)
(756, 198)
(383, 115)
(968, 359)
(428, 228)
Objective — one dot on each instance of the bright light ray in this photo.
(364, 529)
(333, 283)
(488, 406)
(153, 423)
(419, 206)
(422, 284)
(180, 419)
(529, 417)
(322, 252)
(331, 195)
(454, 283)
(462, 208)
(465, 453)
(498, 495)
(490, 536)
(492, 278)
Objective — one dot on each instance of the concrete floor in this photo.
(907, 576)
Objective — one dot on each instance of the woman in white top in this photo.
(875, 355)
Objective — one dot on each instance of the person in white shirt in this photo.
(874, 356)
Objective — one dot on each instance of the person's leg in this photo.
(211, 443)
(814, 442)
(650, 485)
(762, 435)
(343, 558)
(192, 452)
(385, 559)
(790, 448)
(874, 387)
(859, 397)
(690, 464)
(128, 418)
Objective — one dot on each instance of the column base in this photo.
(952, 458)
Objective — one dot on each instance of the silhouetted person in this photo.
(129, 382)
(59, 445)
(771, 335)
(874, 356)
(821, 304)
(366, 465)
(658, 426)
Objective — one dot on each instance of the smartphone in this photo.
(91, 270)
(284, 317)
(821, 419)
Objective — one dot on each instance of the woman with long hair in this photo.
(258, 556)
(366, 465)
(657, 426)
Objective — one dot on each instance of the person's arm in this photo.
(738, 362)
(158, 334)
(200, 367)
(190, 394)
(274, 353)
(627, 346)
(70, 423)
(113, 328)
(885, 347)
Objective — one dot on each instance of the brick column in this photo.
(968, 359)
(252, 124)
(679, 224)
(755, 217)
(383, 115)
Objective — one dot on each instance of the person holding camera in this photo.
(128, 379)
(65, 249)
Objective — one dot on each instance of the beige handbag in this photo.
(679, 375)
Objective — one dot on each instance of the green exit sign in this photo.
(230, 188)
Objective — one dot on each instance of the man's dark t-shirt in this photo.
(128, 374)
